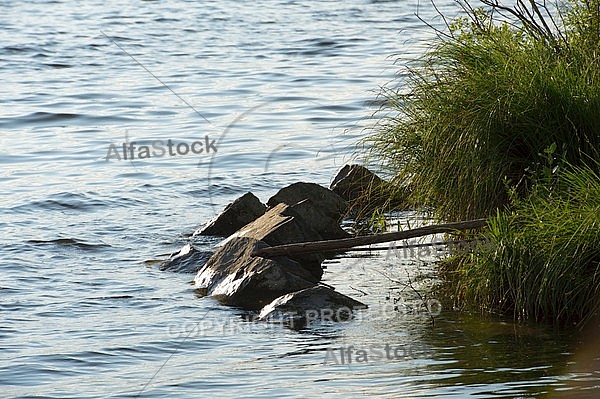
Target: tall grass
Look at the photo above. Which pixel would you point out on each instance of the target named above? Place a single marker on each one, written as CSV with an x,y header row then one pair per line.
x,y
479,108
501,119
545,258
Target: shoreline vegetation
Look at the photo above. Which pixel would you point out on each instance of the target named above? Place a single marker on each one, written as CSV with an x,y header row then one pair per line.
x,y
500,119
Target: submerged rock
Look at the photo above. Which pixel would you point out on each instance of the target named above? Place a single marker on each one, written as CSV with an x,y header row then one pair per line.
x,y
236,278
188,260
240,212
318,303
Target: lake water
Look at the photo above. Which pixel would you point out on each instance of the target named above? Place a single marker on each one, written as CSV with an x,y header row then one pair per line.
x,y
285,89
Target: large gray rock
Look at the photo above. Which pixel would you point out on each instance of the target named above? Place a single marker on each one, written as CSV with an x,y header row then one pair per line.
x,y
312,215
299,213
279,226
188,260
318,303
240,212
236,278
329,203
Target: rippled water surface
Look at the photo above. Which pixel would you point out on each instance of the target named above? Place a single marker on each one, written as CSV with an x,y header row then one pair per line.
x,y
285,90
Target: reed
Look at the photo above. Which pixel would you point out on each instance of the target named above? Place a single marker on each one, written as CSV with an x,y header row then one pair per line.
x,y
471,123
501,119
544,259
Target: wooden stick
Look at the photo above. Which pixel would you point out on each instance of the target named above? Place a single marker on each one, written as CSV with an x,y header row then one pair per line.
x,y
347,243
429,244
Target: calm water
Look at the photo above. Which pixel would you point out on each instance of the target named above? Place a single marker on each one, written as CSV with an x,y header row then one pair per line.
x,y
285,89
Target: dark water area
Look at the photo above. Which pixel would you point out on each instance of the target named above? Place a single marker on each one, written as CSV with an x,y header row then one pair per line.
x,y
285,89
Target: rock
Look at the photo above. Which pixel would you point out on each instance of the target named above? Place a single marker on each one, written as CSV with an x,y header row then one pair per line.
x,y
366,192
327,227
241,280
318,303
236,278
354,181
240,212
188,260
280,225
298,213
329,203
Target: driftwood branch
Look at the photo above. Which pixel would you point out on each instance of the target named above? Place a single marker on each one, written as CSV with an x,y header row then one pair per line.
x,y
345,244
409,246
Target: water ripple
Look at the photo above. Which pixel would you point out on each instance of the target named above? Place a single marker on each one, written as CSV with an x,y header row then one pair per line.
x,y
293,83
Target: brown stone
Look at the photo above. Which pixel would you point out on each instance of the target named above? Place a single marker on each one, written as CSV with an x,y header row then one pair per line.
x,y
240,212
354,181
188,260
328,202
236,278
278,227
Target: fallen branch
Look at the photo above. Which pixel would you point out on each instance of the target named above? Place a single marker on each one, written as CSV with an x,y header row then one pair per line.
x,y
409,246
345,244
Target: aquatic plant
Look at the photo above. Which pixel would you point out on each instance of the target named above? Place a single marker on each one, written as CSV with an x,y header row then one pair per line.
x,y
501,119
492,93
544,259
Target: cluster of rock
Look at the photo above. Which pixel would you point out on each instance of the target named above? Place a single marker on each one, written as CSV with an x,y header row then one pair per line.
x,y
285,288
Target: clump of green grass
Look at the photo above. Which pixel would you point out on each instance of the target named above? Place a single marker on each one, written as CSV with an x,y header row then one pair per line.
x,y
480,107
544,259
501,119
